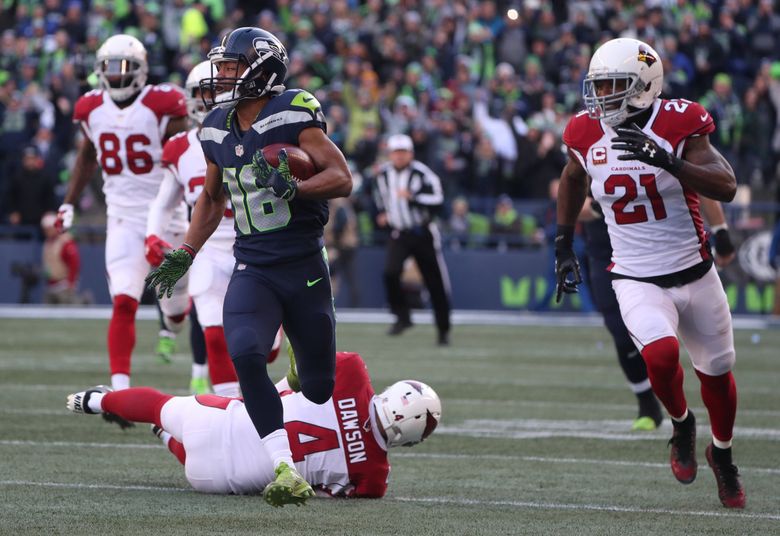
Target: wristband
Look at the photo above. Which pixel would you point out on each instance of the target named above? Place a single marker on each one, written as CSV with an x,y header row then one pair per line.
x,y
564,236
715,228
189,249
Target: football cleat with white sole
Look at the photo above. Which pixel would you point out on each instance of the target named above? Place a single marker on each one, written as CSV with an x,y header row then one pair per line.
x,y
289,487
79,403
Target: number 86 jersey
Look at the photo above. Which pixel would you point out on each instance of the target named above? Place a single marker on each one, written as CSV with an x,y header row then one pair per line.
x,y
129,144
654,221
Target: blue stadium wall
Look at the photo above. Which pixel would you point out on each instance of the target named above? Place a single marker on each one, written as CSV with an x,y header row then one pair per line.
x,y
512,280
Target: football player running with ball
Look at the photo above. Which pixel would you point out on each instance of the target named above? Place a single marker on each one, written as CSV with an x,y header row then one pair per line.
x,y
341,446
649,160
281,273
125,123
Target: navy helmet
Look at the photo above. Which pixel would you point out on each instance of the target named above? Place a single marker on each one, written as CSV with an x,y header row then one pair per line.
x,y
260,68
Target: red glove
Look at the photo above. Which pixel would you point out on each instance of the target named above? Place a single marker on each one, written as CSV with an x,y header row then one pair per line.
x,y
155,249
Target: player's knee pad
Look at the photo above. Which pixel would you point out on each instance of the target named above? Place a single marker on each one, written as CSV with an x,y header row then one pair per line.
x,y
242,341
719,364
125,306
317,390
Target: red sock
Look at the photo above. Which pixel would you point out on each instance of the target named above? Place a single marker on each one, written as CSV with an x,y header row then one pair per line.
x,y
220,365
121,334
177,449
719,394
662,358
137,404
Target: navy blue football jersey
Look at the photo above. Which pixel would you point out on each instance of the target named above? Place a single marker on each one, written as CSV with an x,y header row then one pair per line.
x,y
268,229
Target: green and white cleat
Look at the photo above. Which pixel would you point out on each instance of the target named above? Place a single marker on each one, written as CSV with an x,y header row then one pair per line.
x,y
166,346
199,386
292,372
644,424
288,488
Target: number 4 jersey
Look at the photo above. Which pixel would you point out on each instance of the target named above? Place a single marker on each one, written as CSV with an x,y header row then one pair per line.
x,y
129,144
334,445
654,222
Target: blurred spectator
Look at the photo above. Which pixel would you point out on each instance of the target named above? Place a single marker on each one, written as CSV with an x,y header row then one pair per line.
x,y
379,68
61,265
726,110
466,228
341,241
31,192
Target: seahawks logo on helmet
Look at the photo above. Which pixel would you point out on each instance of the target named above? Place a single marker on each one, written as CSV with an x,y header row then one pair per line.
x,y
645,56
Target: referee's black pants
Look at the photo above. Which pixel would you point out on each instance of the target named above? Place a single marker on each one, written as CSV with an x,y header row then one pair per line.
x,y
426,250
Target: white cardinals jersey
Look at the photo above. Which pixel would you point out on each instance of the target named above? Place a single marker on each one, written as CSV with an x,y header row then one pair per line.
x,y
129,146
334,445
183,155
654,222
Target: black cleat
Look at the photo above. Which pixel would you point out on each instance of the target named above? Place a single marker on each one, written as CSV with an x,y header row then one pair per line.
x,y
730,490
399,327
683,455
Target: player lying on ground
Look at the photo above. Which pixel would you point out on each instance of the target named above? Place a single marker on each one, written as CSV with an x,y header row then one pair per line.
x,y
339,447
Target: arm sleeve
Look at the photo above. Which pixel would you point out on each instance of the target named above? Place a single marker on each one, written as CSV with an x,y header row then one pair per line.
x,y
431,194
169,196
70,256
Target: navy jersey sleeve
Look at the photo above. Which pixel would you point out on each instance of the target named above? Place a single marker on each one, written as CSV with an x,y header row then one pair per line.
x,y
211,134
307,110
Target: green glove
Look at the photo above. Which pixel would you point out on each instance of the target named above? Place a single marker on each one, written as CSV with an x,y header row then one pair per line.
x,y
278,179
172,269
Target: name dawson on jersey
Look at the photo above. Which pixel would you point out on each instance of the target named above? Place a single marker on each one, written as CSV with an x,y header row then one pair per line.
x,y
353,436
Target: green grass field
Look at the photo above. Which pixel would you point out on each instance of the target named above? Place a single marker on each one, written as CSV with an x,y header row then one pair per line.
x,y
535,439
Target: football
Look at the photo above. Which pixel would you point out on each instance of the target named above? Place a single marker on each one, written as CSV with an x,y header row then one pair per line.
x,y
301,165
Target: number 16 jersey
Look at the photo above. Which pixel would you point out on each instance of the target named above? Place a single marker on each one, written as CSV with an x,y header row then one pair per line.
x,y
654,221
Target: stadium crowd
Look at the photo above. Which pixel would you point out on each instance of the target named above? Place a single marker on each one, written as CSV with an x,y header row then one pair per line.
x,y
483,87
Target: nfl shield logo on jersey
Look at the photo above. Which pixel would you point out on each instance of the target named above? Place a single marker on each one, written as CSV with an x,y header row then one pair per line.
x,y
239,150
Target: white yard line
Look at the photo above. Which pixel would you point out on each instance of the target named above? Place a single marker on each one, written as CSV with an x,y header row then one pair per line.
x,y
394,455
440,500
588,507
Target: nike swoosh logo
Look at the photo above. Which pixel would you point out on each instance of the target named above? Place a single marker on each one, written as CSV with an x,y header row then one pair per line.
x,y
704,117
312,283
304,99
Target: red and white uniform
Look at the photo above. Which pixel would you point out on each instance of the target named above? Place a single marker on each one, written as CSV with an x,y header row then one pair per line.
x,y
654,222
128,142
656,229
335,446
185,172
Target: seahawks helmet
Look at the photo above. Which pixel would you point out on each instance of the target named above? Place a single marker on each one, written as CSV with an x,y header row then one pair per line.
x,y
637,66
121,66
196,108
260,68
408,411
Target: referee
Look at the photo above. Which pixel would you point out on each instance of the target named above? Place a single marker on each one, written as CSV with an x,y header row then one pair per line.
x,y
408,194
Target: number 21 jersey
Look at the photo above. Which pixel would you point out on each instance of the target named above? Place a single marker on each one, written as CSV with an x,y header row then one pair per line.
x,y
654,221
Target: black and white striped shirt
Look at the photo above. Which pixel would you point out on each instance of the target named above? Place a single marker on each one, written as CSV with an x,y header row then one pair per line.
x,y
426,195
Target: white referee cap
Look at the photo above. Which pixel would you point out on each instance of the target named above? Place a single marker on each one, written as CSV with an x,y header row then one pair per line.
x,y
399,142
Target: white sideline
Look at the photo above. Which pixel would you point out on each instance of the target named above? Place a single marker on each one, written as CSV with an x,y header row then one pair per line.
x,y
420,455
442,500
371,316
